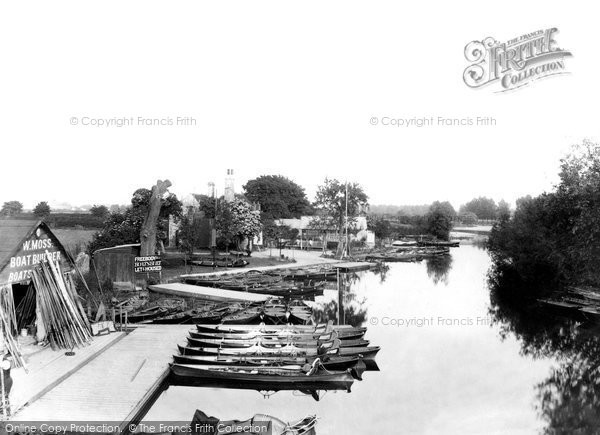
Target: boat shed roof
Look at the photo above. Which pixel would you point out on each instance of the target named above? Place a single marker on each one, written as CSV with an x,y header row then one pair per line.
x,y
13,232
14,237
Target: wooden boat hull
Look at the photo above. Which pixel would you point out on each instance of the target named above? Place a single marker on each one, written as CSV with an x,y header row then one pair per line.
x,y
332,380
300,318
214,319
271,343
356,370
258,352
174,319
333,363
367,354
258,335
343,333
241,318
149,315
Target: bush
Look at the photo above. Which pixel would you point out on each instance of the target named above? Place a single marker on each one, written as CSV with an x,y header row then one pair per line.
x,y
74,220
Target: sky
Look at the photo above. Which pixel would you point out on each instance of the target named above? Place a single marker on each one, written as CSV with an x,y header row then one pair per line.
x,y
282,88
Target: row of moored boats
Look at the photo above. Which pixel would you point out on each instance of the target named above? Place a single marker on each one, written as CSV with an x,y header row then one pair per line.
x,y
298,357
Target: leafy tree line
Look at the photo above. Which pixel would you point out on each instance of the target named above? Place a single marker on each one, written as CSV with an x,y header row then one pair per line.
x,y
484,208
123,227
42,210
11,208
436,221
278,196
555,237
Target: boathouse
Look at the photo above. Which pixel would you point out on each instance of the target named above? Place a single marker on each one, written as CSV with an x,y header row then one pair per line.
x,y
23,244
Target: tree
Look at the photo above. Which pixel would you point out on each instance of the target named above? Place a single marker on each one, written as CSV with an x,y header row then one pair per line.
x,y
524,199
439,219
207,205
503,210
333,199
278,196
125,227
484,208
42,209
11,208
190,233
380,226
279,234
116,208
99,211
148,232
555,237
236,221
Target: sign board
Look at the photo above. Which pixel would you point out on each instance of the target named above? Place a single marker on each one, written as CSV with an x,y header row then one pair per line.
x,y
151,263
31,252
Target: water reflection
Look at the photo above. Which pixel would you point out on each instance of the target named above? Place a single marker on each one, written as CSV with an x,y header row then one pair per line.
x,y
438,268
568,399
348,309
381,271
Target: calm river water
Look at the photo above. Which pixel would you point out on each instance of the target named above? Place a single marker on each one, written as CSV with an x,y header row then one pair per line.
x,y
444,366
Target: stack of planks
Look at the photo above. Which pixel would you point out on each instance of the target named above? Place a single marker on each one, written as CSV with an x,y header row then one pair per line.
x,y
62,315
8,325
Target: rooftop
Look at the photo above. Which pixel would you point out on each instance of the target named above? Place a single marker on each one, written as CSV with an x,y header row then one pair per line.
x,y
12,234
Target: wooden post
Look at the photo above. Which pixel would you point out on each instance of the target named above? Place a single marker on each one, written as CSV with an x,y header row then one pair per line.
x,y
339,296
148,232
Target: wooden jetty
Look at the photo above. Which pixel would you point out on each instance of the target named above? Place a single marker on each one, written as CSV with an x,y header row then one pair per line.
x,y
119,385
209,293
354,266
47,368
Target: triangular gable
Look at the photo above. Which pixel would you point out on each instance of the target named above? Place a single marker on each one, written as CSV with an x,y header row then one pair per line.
x,y
29,250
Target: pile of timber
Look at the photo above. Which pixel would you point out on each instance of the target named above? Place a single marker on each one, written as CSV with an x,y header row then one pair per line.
x,y
8,325
62,316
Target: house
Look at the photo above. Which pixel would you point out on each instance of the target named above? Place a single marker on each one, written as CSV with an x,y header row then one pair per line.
x,y
311,237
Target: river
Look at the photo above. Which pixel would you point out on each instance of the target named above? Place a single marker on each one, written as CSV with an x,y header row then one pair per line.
x,y
445,367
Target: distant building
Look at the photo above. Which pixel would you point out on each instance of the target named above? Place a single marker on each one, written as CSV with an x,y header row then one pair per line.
x,y
309,237
229,193
189,203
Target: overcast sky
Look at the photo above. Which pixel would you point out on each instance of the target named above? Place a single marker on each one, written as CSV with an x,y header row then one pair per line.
x,y
282,88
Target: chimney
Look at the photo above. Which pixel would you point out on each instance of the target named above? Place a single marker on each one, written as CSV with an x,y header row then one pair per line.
x,y
229,186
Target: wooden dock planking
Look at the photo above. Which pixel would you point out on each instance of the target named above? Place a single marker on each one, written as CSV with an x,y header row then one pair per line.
x,y
118,385
209,293
48,368
354,266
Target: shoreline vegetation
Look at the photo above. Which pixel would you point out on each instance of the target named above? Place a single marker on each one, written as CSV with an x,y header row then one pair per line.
x,y
552,240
